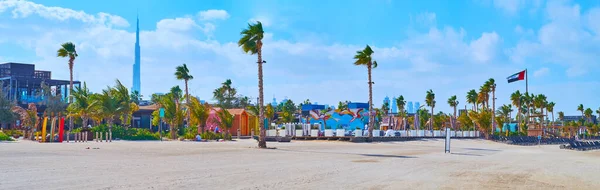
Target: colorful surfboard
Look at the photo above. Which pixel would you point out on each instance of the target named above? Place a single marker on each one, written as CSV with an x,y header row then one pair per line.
x,y
52,128
61,129
44,129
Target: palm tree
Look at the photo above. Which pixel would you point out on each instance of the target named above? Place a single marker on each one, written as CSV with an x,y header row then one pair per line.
x,y
482,118
581,109
68,50
516,98
598,111
430,101
136,97
127,106
528,100
183,73
107,106
561,117
504,111
588,114
83,106
401,106
225,120
540,102
251,42
199,113
491,83
453,103
472,99
550,108
364,58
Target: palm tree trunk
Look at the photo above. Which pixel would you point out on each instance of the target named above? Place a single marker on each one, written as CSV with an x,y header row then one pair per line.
x,y
71,90
172,130
187,101
431,119
493,110
371,116
262,143
453,121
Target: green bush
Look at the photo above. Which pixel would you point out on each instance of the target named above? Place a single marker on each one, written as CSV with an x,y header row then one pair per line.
x,y
76,130
190,132
142,134
119,132
4,137
214,136
13,133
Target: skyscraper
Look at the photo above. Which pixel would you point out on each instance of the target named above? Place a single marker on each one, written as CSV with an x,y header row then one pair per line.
x,y
409,106
417,105
387,100
394,106
136,66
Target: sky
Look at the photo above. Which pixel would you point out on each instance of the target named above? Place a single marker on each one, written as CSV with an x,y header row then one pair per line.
x,y
447,46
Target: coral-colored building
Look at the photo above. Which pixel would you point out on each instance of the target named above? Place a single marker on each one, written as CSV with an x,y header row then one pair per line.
x,y
241,120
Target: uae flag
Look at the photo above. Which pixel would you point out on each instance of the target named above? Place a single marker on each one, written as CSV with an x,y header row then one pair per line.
x,y
516,77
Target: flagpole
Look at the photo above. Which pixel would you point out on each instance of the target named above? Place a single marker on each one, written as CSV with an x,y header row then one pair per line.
x,y
526,82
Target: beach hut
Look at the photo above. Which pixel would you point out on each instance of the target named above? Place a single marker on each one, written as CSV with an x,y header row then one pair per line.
x,y
241,120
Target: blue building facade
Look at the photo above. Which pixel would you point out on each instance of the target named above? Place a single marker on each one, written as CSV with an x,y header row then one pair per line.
x,y
409,107
394,105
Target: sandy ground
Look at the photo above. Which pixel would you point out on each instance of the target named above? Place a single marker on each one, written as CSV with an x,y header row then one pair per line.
x,y
473,164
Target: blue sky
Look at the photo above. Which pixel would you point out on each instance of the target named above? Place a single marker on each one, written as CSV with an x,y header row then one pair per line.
x,y
448,46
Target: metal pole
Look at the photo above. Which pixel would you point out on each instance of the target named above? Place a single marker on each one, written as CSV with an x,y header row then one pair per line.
x,y
160,129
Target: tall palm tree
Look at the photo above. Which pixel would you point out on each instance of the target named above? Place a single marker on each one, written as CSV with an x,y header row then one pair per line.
x,y
401,106
472,98
492,86
251,42
550,108
581,109
528,100
540,102
516,98
183,73
561,117
364,58
588,115
484,94
453,103
68,50
430,101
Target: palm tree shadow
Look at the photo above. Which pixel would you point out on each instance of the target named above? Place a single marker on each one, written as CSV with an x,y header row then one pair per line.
x,y
347,153
386,156
466,154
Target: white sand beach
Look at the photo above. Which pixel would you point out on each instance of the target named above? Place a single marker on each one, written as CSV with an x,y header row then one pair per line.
x,y
473,164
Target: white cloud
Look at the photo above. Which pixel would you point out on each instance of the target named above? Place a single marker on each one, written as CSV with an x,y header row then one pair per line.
x,y
426,19
213,15
522,31
541,72
266,21
564,40
21,9
484,48
509,6
177,24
